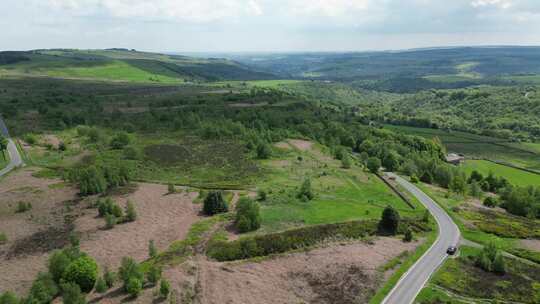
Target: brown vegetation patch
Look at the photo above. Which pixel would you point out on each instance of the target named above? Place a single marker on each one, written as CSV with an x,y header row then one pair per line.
x,y
282,145
337,274
530,244
302,145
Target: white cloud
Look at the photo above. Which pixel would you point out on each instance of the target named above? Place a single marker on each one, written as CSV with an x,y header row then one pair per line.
x,y
179,10
504,4
327,8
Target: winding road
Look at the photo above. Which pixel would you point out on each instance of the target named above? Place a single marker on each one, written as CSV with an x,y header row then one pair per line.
x,y
412,282
14,156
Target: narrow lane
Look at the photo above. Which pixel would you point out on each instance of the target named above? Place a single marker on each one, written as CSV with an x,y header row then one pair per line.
x,y
412,282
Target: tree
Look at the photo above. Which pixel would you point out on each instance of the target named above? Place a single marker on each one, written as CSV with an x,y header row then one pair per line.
x,y
130,269
152,250
120,140
43,289
164,288
109,277
346,161
263,151
58,263
131,213
9,298
248,216
3,145
91,181
373,164
153,275
83,272
391,161
408,237
101,286
499,265
389,222
490,202
134,287
71,294
214,203
475,176
305,193
414,179
474,189
443,176
426,177
458,184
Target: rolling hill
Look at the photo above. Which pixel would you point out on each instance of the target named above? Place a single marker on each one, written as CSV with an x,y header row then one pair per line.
x,y
123,65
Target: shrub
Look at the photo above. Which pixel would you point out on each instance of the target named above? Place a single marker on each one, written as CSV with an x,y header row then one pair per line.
x,y
120,140
490,259
130,269
83,272
71,294
91,181
261,195
110,221
152,250
499,265
31,139
43,289
23,207
9,298
490,202
153,275
408,237
346,161
214,203
105,206
306,193
3,238
117,211
131,213
170,188
109,277
389,220
263,151
426,177
62,146
57,264
248,216
164,288
101,286
373,164
414,179
475,190
134,287
132,153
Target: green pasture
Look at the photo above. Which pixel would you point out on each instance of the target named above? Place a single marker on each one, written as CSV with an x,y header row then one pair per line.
x,y
514,176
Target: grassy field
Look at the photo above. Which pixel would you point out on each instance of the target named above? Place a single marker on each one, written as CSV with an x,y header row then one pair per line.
x,y
459,281
514,176
477,146
340,194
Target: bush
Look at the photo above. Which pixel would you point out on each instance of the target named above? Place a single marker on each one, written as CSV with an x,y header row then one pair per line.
x,y
101,286
91,181
57,264
306,193
408,237
105,206
9,298
490,259
3,238
132,153
373,164
263,151
389,222
164,288
346,162
490,202
153,275
426,177
23,207
248,216
117,211
499,265
62,146
43,289
414,179
261,195
109,277
120,140
83,272
170,188
214,203
134,287
152,250
110,221
131,213
71,294
130,269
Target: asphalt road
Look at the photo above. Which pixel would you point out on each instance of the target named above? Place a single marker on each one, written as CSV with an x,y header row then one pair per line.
x,y
410,284
15,158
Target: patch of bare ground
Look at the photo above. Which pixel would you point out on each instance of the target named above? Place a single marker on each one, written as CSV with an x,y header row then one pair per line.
x,y
335,274
162,217
52,140
302,145
282,145
530,244
32,235
247,105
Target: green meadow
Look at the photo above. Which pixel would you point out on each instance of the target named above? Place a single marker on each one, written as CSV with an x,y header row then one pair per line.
x,y
514,176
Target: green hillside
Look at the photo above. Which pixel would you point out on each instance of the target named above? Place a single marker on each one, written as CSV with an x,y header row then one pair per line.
x,y
123,65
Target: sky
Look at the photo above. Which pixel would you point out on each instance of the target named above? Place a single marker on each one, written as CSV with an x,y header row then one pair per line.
x,y
266,25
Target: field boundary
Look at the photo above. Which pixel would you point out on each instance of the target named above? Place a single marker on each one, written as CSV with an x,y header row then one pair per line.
x,y
511,166
396,191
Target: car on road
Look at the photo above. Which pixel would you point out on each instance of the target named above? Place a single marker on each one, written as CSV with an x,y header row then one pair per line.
x,y
451,250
